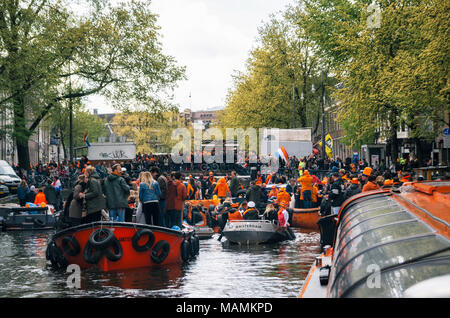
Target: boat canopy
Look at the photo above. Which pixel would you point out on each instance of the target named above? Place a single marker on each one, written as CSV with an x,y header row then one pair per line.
x,y
386,242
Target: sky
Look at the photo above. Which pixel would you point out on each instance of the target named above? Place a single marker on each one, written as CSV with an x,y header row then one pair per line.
x,y
213,39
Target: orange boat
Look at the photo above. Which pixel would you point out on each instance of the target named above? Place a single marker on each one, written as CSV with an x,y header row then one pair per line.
x,y
385,244
306,218
112,246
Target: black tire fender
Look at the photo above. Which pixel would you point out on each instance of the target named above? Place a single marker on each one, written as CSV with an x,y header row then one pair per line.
x,y
195,245
91,255
137,236
99,241
114,252
160,252
70,246
185,250
39,222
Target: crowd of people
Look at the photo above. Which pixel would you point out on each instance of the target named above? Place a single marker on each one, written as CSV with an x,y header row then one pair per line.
x,y
113,190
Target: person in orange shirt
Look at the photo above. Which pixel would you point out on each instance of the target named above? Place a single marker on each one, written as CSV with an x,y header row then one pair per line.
x,y
40,198
235,216
371,185
283,196
306,193
273,192
222,188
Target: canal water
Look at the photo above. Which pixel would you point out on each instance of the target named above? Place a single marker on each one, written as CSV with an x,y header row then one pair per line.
x,y
220,271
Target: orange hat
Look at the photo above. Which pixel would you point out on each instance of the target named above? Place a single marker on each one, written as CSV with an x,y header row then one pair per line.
x,y
367,171
355,181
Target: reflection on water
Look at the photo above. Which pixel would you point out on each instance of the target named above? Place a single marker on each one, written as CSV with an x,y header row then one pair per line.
x,y
220,271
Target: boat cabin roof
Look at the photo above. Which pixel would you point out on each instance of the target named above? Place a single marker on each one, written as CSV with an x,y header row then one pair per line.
x,y
388,241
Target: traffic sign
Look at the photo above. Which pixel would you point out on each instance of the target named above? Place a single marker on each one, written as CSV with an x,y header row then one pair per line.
x,y
447,131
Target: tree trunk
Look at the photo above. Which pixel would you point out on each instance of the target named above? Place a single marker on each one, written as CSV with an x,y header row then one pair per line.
x,y
21,133
393,133
301,109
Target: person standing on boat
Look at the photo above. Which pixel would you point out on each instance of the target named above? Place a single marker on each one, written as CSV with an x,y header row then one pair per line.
x,y
234,184
222,189
176,195
306,193
163,184
22,192
336,195
149,195
117,192
76,204
95,200
353,189
283,216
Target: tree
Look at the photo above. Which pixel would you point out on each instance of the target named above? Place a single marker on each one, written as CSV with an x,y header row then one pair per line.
x,y
152,133
283,66
111,50
391,74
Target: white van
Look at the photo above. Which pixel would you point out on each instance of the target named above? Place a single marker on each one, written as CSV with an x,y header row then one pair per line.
x,y
8,177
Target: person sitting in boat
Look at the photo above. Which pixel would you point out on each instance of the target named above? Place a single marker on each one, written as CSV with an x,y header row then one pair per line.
x,y
270,213
235,215
273,192
251,213
40,198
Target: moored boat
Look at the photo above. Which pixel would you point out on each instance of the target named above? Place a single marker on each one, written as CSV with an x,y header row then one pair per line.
x,y
306,218
112,246
256,232
16,218
387,244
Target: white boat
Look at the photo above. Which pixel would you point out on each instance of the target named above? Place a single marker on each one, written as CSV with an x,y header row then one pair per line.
x,y
256,232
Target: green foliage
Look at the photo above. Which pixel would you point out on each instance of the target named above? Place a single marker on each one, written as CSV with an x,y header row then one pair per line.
x,y
262,96
50,52
152,132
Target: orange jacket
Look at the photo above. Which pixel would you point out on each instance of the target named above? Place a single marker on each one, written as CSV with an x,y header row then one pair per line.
x,y
283,196
236,216
222,188
306,182
273,193
370,186
40,198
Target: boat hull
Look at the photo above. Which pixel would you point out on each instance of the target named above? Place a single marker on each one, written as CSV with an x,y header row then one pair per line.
x,y
253,232
124,233
306,219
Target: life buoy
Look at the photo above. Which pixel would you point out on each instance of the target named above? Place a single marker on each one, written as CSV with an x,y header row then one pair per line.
x,y
91,255
185,250
39,222
114,252
101,238
160,252
137,236
70,245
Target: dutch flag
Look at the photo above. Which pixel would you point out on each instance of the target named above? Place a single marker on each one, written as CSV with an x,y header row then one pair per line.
x,y
282,153
86,139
